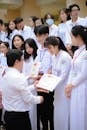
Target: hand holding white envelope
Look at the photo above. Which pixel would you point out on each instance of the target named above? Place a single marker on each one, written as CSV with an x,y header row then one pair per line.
x,y
48,82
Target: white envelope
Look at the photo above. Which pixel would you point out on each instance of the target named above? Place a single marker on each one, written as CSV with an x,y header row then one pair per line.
x,y
48,82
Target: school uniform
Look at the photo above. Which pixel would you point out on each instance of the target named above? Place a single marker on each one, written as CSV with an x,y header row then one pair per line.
x,y
53,30
45,110
3,60
62,31
26,32
16,98
14,32
3,36
78,78
33,108
60,67
69,26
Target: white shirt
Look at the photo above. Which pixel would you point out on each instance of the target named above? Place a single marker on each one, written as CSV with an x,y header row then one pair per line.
x,y
45,59
3,36
3,60
61,31
53,30
26,32
69,26
16,94
27,66
85,20
78,73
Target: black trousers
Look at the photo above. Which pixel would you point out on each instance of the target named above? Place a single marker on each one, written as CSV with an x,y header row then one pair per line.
x,y
1,123
17,120
45,112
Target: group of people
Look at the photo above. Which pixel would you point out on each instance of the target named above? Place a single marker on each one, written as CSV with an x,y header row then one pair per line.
x,y
60,50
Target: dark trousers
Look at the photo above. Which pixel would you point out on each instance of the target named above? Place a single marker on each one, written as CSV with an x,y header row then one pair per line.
x,y
1,123
45,112
17,121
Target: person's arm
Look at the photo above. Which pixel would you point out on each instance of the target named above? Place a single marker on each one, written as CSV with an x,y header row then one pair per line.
x,y
25,91
65,68
82,76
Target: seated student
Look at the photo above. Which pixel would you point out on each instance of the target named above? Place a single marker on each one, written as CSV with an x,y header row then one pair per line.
x,y
16,94
45,110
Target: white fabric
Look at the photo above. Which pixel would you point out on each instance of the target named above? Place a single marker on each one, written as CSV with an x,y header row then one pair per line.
x,y
26,32
45,59
3,36
61,32
33,109
78,78
60,66
3,60
16,93
53,30
69,26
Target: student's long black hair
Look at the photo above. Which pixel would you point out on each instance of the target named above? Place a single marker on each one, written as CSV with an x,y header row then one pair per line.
x,y
31,43
55,41
80,31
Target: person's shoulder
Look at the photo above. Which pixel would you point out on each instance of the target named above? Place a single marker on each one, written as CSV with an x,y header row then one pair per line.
x,y
66,55
68,22
84,55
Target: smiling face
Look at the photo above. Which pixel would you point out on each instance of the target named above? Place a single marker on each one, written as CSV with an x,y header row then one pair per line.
x,y
63,16
11,25
17,42
74,12
31,23
3,48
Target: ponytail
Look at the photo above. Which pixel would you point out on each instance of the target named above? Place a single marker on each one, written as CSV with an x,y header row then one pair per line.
x,y
80,31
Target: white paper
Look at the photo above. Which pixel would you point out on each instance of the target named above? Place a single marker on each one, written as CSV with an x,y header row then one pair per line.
x,y
48,82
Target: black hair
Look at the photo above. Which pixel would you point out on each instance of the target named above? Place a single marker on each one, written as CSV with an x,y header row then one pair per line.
x,y
1,21
55,41
31,43
46,16
13,55
18,20
17,35
40,19
73,5
34,18
80,31
36,29
5,43
9,30
67,12
42,29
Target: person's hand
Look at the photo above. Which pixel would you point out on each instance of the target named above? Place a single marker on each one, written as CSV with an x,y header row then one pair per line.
x,y
42,99
68,90
39,89
42,90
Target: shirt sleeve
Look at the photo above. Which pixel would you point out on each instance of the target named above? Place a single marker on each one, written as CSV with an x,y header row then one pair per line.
x,y
82,75
25,90
65,67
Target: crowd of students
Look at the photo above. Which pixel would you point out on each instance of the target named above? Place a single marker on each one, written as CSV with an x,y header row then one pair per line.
x,y
61,50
